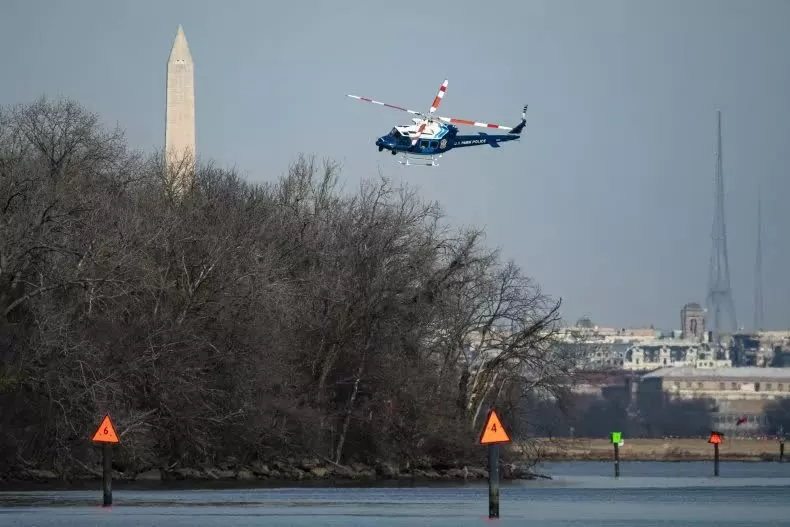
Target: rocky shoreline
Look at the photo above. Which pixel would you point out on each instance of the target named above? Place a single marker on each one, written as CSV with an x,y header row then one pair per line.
x,y
278,471
668,456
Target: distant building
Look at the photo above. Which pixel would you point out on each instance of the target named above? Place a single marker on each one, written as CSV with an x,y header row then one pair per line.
x,y
746,350
692,321
738,392
671,352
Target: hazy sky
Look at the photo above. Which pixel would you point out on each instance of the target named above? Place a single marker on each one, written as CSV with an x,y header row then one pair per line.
x,y
608,199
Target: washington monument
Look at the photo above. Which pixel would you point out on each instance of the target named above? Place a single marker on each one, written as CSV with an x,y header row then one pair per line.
x,y
180,119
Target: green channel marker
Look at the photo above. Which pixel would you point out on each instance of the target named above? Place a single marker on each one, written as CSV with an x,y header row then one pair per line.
x,y
617,438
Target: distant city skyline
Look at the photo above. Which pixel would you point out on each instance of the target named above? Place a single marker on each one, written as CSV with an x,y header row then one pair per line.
x,y
607,202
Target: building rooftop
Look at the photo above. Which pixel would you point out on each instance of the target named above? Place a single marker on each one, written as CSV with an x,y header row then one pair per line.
x,y
749,372
669,342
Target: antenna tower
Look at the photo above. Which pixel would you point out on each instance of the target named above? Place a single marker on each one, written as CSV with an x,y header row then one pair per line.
x,y
720,303
758,270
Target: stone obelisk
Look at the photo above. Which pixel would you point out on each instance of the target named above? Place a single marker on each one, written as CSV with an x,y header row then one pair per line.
x,y
180,111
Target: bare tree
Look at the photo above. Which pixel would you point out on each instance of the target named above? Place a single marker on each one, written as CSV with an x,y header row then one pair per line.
x,y
222,319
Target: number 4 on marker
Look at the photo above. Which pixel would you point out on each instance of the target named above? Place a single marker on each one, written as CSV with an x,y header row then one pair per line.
x,y
494,432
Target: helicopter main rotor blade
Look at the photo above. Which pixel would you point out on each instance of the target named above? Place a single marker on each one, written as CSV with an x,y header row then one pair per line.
x,y
365,99
419,133
436,101
473,123
439,96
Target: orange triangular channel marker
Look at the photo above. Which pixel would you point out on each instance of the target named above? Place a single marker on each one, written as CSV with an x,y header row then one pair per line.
x,y
494,432
715,438
106,432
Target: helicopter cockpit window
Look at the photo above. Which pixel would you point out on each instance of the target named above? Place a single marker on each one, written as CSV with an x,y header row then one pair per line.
x,y
395,133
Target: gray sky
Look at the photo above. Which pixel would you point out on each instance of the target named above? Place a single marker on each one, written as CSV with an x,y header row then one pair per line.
x,y
608,199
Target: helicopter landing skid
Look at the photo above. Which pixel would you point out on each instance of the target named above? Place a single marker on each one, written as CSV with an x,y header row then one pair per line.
x,y
411,161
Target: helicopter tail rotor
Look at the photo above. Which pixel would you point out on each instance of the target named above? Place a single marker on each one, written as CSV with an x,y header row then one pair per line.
x,y
520,126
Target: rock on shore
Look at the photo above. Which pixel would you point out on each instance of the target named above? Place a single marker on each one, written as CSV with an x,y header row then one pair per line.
x,y
282,470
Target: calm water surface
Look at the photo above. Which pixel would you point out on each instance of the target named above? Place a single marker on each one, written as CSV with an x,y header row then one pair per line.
x,y
647,494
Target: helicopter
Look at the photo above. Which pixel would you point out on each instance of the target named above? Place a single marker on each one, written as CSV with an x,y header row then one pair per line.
x,y
431,135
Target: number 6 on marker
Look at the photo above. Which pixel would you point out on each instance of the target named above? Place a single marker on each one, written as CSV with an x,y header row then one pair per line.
x,y
106,432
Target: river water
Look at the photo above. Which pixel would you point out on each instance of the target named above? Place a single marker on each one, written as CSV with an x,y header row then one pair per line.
x,y
648,494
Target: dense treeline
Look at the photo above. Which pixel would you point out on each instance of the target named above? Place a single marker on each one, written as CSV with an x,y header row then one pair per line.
x,y
777,414
232,319
641,415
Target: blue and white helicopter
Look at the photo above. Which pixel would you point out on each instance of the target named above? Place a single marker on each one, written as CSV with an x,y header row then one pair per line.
x,y
428,137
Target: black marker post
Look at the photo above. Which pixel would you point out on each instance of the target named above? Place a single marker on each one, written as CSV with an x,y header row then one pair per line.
x,y
493,434
493,481
715,440
106,450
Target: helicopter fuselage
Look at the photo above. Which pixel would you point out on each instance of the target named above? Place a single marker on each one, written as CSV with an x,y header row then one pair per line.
x,y
436,139
431,135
